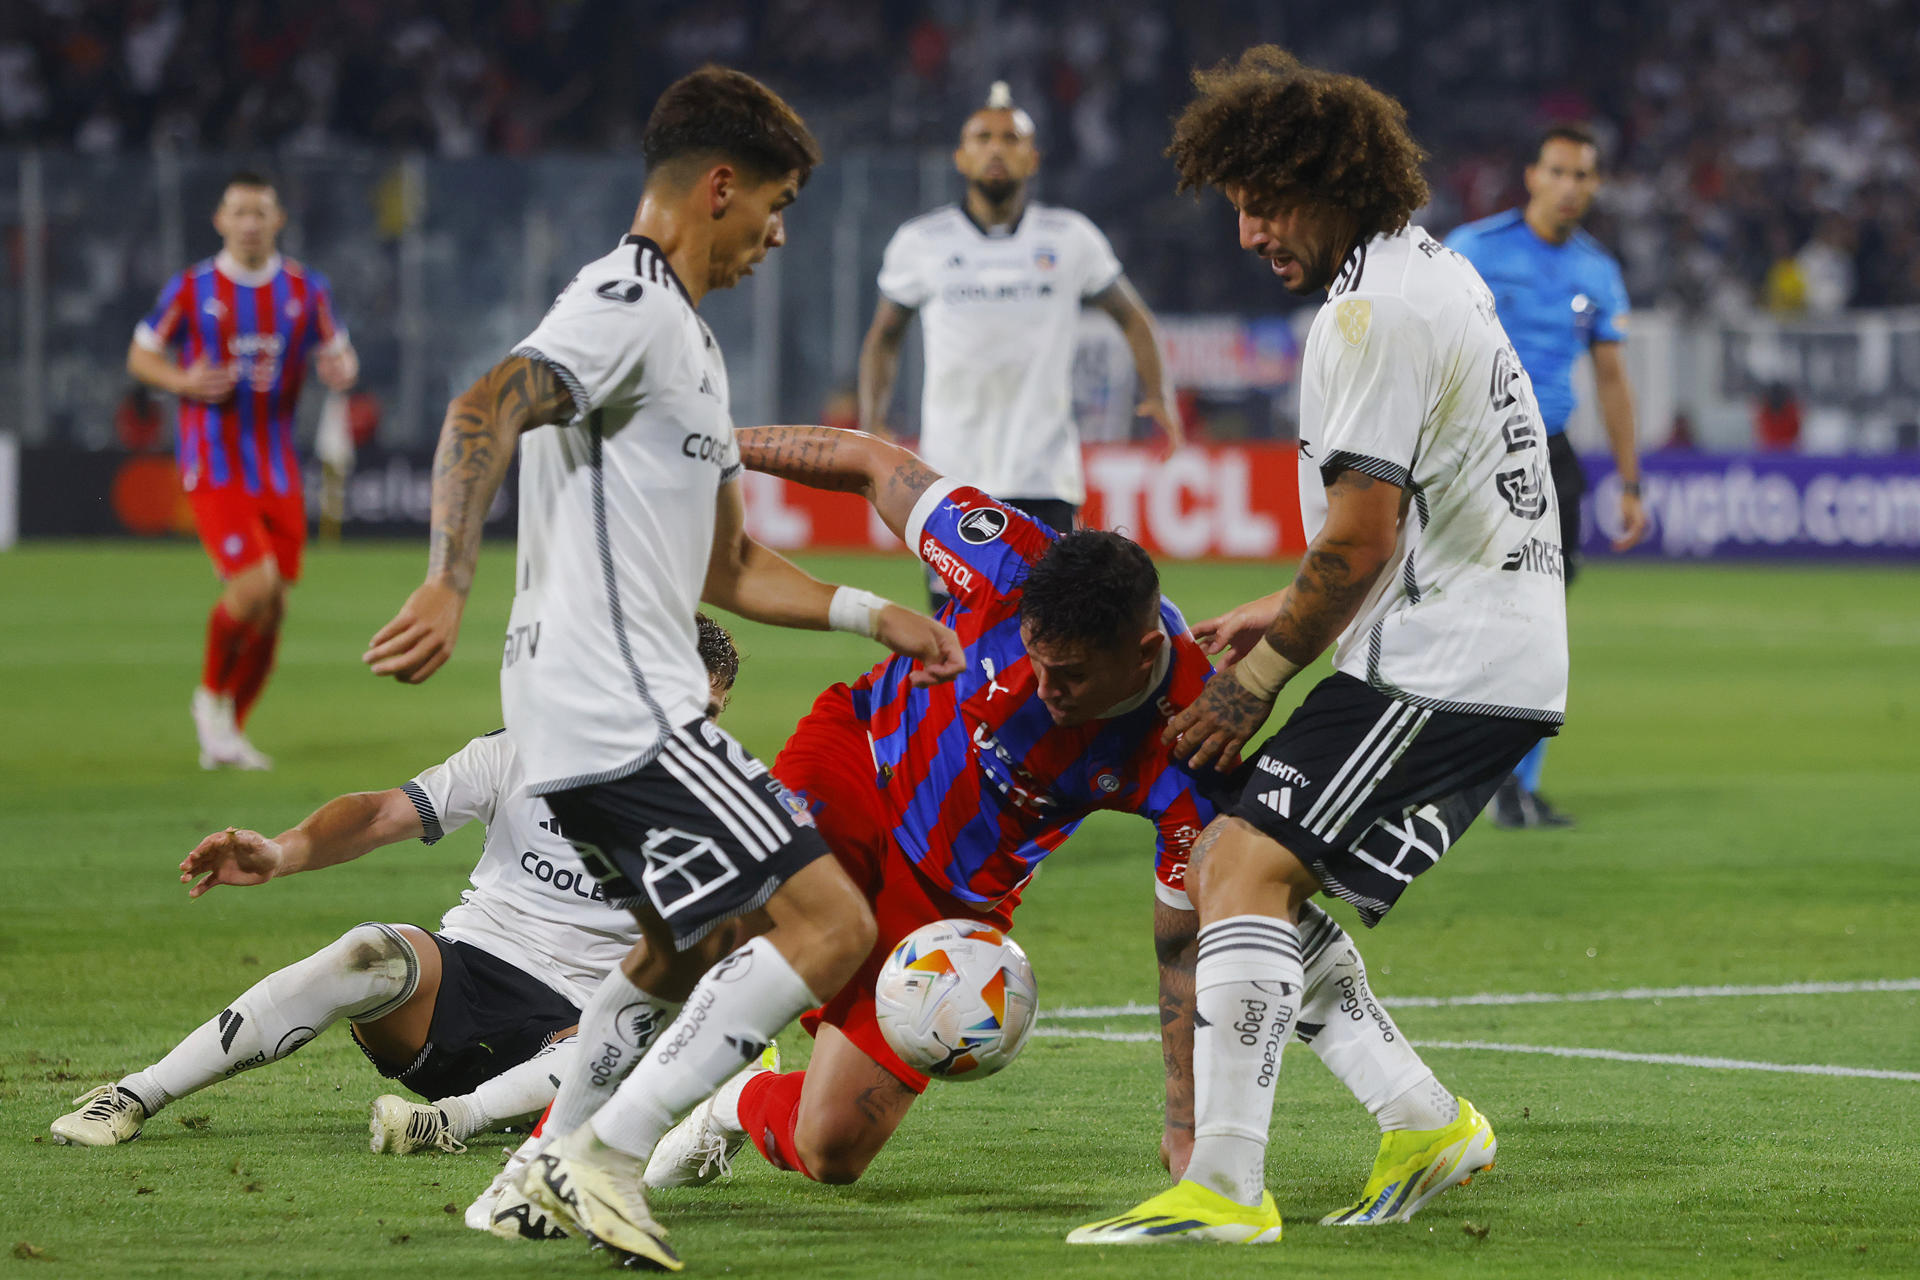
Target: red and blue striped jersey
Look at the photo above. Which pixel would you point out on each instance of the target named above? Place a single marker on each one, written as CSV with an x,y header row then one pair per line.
x,y
267,323
980,782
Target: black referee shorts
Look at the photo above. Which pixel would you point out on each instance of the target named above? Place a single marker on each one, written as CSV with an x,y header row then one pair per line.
x,y
1369,792
702,834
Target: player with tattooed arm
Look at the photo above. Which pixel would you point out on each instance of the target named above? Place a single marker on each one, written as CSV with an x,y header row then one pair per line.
x,y
1432,569
630,516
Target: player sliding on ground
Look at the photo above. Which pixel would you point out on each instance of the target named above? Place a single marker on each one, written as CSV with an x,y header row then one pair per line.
x,y
1433,563
472,1017
1074,662
630,515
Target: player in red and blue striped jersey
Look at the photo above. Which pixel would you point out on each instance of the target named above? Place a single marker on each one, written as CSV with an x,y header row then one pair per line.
x,y
231,337
942,803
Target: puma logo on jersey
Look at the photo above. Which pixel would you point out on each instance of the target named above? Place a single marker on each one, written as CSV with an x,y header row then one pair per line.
x,y
993,680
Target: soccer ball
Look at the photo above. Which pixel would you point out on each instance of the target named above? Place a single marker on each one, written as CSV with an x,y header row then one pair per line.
x,y
956,999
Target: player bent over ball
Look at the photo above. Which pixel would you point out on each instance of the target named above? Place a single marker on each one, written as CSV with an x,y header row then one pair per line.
x,y
473,1017
1074,662
1432,570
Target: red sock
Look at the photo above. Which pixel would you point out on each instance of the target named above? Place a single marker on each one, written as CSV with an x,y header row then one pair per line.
x,y
251,669
226,636
769,1109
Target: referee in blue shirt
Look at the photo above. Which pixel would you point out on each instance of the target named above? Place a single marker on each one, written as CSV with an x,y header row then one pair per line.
x,y
1559,293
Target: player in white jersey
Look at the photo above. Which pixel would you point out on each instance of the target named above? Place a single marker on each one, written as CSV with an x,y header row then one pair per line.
x,y
998,281
1434,568
470,1016
630,515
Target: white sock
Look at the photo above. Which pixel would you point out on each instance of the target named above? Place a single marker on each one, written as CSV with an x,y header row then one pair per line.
x,y
1357,1039
521,1090
1246,991
616,1029
728,1021
366,973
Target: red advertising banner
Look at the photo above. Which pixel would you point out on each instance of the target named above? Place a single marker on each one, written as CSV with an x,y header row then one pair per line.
x,y
1206,502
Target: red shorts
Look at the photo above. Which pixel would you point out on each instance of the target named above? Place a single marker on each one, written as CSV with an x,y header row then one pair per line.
x,y
240,529
829,762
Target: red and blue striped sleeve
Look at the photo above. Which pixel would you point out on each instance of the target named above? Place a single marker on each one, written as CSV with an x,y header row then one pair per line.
x,y
165,325
981,548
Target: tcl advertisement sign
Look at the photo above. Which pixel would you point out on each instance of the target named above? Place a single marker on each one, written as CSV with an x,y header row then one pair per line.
x,y
1235,502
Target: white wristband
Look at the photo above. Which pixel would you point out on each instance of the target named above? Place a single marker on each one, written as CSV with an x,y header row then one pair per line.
x,y
857,611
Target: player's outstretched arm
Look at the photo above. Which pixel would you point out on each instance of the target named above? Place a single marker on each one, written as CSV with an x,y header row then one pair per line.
x,y
1339,569
1176,943
890,477
759,583
477,440
880,364
1123,302
1615,395
338,831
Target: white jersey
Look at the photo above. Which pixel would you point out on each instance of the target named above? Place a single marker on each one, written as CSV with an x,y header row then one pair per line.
x,y
616,524
532,903
1000,312
1410,378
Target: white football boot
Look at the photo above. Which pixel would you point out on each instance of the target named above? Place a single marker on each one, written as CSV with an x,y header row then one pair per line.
x,y
504,1210
213,724
598,1188
701,1147
398,1127
106,1116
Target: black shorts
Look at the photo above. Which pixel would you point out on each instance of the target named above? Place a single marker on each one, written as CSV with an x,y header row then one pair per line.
x,y
1368,792
488,1016
702,834
1569,486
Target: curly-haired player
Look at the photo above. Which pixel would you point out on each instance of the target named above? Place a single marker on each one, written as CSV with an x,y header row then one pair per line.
x,y
1434,568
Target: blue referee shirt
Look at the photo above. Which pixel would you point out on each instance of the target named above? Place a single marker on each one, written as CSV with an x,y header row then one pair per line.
x,y
1554,300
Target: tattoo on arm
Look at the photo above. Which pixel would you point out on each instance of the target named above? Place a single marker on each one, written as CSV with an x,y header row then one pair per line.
x,y
847,461
476,444
1334,577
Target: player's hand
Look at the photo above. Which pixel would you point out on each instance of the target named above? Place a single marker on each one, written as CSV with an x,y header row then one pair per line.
x,y
1167,418
233,856
421,636
1238,630
919,637
207,382
1633,522
1214,727
338,369
1176,1149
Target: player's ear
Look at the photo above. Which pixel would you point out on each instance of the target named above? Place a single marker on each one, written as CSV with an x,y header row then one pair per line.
x,y
722,182
1150,646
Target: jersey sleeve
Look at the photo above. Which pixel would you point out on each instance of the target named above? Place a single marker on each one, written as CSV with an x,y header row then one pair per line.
x,y
327,333
1180,812
1373,369
902,281
1610,325
981,548
165,326
463,788
595,337
1099,267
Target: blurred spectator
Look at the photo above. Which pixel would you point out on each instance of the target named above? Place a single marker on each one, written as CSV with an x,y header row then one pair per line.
x,y
1776,419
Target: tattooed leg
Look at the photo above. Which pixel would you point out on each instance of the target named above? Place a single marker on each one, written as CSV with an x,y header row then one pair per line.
x,y
849,1107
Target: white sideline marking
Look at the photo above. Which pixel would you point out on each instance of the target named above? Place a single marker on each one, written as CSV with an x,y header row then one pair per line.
x,y
1561,997
1558,1051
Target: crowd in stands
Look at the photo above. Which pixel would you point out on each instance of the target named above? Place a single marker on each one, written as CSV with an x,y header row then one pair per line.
x,y
1765,161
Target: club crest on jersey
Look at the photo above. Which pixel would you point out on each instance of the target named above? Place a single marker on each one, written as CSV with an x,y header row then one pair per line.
x,y
1353,317
983,526
1107,782
1045,259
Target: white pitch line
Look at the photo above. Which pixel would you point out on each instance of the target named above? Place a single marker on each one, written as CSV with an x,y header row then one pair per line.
x,y
1558,1051
1562,997
1676,1060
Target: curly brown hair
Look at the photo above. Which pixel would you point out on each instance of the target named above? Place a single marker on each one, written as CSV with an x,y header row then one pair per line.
x,y
719,111
1278,132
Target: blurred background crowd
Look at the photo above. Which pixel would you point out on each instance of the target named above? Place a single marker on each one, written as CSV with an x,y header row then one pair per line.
x,y
1760,160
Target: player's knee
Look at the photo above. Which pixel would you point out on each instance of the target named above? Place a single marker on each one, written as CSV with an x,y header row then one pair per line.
x,y
836,1159
378,961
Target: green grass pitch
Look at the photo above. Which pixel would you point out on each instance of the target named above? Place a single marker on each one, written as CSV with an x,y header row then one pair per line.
x,y
1742,757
